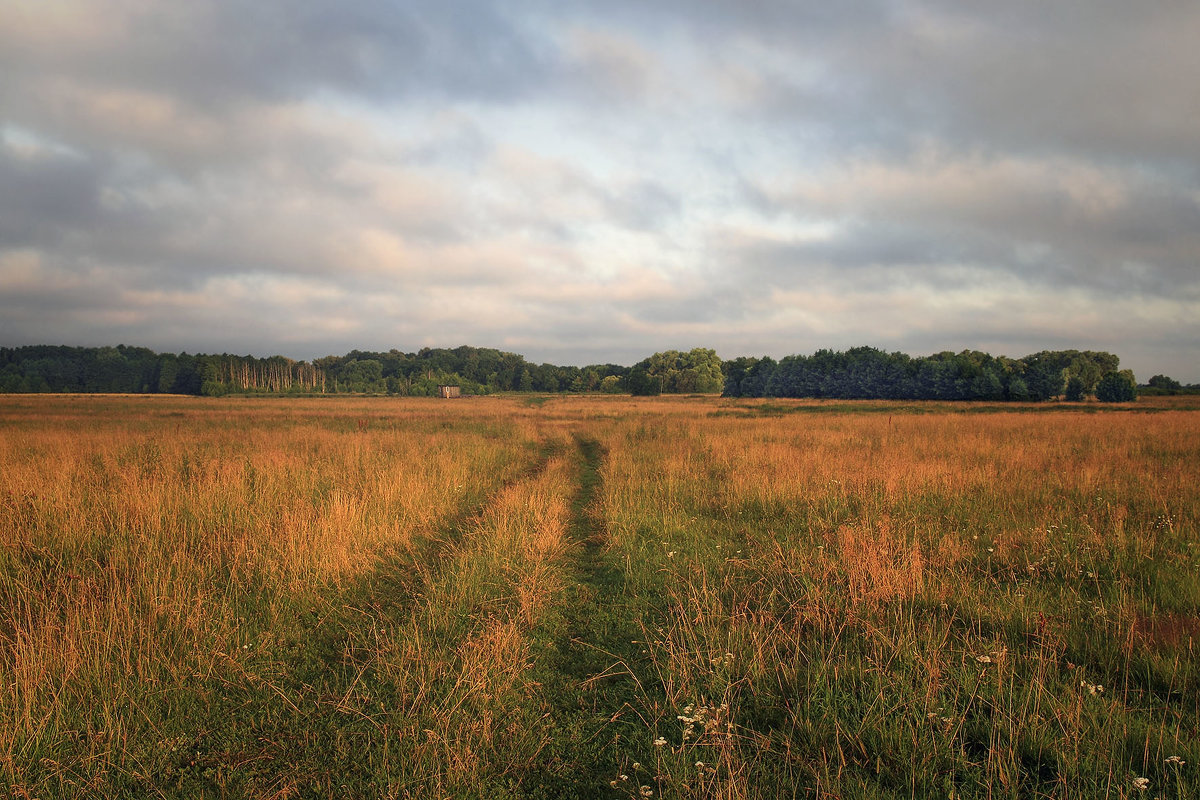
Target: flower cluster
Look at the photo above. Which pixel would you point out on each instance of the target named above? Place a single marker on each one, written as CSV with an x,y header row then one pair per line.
x,y
643,790
936,715
986,658
707,719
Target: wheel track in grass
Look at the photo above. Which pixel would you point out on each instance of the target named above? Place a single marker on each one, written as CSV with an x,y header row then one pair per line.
x,y
401,574
293,720
316,717
595,677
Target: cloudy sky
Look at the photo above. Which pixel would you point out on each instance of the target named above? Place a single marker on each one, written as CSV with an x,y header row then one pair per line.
x,y
586,182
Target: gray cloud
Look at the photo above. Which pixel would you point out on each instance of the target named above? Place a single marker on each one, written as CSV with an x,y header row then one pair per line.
x,y
44,197
592,183
229,51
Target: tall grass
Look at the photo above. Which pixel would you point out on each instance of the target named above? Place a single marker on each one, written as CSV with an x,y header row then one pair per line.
x,y
596,597
898,604
146,543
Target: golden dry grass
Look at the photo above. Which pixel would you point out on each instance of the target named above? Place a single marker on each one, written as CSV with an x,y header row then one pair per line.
x,y
138,536
884,579
865,599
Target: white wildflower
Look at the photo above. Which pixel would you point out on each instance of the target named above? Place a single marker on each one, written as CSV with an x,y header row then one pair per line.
x,y
1141,784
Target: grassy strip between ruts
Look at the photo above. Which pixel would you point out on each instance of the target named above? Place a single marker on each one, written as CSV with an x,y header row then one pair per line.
x,y
404,684
452,685
595,680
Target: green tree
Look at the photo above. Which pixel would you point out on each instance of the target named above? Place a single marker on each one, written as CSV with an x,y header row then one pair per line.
x,y
1165,385
363,376
1044,377
698,370
1117,387
168,373
1017,390
642,384
211,384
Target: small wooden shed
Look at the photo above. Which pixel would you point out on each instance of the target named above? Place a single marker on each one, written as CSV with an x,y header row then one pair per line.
x,y
449,391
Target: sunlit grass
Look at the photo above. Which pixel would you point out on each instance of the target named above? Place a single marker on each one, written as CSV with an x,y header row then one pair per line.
x,y
596,596
918,604
145,544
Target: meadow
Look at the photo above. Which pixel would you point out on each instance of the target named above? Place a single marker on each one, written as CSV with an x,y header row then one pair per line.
x,y
597,596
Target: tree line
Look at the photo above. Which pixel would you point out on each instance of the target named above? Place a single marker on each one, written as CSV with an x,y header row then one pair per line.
x,y
1162,385
869,373
138,370
857,373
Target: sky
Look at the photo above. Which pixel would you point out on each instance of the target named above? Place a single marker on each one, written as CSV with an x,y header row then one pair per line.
x,y
591,182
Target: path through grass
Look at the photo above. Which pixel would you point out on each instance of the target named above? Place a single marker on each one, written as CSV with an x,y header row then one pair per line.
x,y
594,678
499,656
377,691
595,598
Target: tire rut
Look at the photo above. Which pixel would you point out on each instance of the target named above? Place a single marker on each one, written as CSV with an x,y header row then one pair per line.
x,y
269,727
592,677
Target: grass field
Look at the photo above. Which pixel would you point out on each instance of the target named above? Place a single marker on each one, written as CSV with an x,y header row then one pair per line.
x,y
597,597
